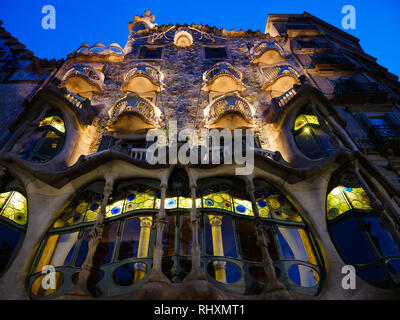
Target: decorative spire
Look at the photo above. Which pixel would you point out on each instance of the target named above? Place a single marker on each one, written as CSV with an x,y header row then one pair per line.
x,y
147,19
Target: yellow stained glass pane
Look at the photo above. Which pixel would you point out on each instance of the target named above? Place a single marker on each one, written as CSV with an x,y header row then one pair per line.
x,y
93,211
53,121
16,208
114,209
139,200
185,203
198,203
305,119
72,215
243,207
3,198
278,207
219,200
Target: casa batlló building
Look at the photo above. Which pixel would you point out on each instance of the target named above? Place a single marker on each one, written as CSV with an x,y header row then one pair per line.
x,y
80,198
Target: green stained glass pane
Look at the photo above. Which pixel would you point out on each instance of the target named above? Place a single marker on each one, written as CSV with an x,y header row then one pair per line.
x,y
243,207
16,208
336,203
219,200
53,121
139,199
3,199
358,198
114,209
305,119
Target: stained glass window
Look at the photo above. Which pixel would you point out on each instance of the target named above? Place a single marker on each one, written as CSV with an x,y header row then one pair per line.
x,y
310,138
13,222
47,140
358,233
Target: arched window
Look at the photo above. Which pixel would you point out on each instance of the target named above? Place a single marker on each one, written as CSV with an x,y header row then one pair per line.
x,y
13,222
310,138
122,260
230,253
358,233
47,140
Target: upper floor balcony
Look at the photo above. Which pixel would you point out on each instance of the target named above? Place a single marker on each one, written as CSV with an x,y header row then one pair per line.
x,y
330,62
229,111
99,53
133,113
267,53
352,91
142,78
223,78
83,80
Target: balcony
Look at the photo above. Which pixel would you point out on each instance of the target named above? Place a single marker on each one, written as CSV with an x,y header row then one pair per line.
x,y
83,80
386,138
223,78
99,53
133,113
275,73
228,104
142,78
302,30
267,53
351,91
329,63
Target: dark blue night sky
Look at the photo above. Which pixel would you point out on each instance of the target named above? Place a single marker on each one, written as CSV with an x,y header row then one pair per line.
x,y
106,21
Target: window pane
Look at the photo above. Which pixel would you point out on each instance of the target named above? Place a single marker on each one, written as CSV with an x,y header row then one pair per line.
x,y
248,241
51,144
308,144
105,248
351,242
168,239
381,237
220,239
58,250
130,239
9,239
295,245
185,236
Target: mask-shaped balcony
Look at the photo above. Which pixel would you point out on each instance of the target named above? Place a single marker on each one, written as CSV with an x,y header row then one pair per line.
x,y
230,112
280,79
83,81
133,114
99,53
142,78
222,78
267,53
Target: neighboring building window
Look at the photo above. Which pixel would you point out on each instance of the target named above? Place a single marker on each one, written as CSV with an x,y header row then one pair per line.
x,y
383,130
358,233
124,253
150,53
310,138
215,53
13,222
47,140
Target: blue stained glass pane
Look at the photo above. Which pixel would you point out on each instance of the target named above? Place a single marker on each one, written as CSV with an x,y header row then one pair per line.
x,y
132,197
115,210
262,204
241,209
158,194
94,207
209,202
394,267
348,189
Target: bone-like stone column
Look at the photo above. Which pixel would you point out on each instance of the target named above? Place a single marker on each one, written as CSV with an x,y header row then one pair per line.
x,y
274,288
156,274
95,238
196,273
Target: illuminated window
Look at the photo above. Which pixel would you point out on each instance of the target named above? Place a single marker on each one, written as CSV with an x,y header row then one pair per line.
x,y
46,141
231,255
310,138
358,233
13,223
124,253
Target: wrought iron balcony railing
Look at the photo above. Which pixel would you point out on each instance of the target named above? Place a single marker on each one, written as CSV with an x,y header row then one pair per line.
x,y
385,137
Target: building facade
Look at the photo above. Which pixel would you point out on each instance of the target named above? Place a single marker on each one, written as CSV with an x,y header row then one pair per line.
x,y
86,214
